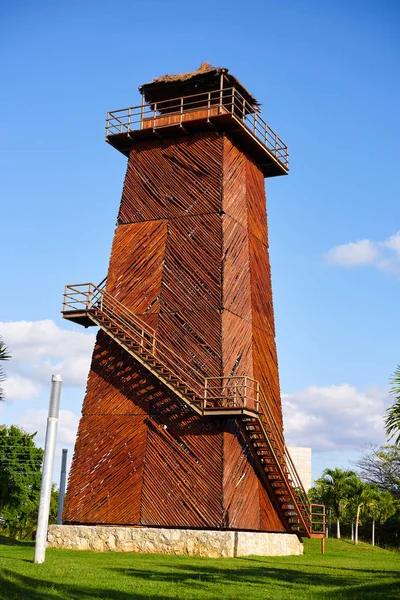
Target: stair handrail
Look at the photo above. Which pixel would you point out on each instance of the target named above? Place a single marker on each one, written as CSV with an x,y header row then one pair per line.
x,y
95,300
298,485
303,515
94,295
267,420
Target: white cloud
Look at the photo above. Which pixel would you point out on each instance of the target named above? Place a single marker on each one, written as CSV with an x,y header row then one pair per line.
x,y
353,254
393,242
33,340
35,421
39,349
20,388
383,255
334,417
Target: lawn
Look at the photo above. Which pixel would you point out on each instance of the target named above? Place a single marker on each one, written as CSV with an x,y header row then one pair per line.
x,y
345,572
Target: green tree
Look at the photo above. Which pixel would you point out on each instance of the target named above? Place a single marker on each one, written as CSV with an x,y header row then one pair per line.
x,y
379,506
4,355
392,421
380,465
20,521
335,486
20,478
359,495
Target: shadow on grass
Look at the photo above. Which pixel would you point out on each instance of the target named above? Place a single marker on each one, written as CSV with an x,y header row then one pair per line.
x,y
209,580
18,587
317,584
6,541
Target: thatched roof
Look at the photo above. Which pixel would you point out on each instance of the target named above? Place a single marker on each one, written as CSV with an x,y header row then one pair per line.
x,y
184,84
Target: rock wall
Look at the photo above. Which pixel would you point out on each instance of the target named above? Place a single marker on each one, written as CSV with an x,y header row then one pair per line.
x,y
189,542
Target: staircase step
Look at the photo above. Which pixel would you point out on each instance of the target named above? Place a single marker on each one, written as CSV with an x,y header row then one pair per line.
x,y
261,432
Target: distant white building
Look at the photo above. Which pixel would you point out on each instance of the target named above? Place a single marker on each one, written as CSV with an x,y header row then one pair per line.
x,y
302,461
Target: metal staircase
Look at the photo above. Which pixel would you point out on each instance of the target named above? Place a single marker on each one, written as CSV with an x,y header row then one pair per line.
x,y
240,397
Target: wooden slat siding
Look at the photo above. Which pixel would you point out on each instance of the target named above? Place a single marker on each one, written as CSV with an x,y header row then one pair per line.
x,y
236,290
190,320
117,384
237,345
196,337
261,287
241,502
266,370
265,360
196,176
269,519
172,178
192,269
135,272
146,190
167,120
182,484
257,214
234,199
106,476
246,502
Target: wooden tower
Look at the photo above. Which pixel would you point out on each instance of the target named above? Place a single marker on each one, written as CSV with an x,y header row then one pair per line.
x,y
181,423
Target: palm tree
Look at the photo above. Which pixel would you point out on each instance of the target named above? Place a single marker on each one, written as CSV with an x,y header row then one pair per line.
x,y
4,355
361,495
392,421
379,506
337,484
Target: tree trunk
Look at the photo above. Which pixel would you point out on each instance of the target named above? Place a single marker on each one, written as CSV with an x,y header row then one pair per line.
x,y
352,530
373,532
338,529
357,518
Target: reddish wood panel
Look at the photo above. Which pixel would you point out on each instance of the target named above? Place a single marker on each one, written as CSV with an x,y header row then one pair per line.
x,y
173,178
234,202
269,519
184,455
256,202
106,476
117,384
196,337
192,268
266,371
236,283
135,271
176,119
237,345
241,502
261,289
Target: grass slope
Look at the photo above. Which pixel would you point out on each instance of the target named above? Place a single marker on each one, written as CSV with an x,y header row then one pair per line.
x,y
345,572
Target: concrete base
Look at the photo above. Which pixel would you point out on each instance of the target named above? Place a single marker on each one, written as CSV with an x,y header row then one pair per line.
x,y
189,542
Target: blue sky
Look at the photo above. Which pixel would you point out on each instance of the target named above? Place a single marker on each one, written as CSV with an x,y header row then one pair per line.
x,y
327,76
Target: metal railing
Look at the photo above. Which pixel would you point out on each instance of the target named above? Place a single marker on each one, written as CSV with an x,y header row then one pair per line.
x,y
86,297
232,392
210,393
89,297
207,105
318,518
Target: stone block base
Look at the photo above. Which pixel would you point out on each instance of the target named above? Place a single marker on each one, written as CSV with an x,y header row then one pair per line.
x,y
189,542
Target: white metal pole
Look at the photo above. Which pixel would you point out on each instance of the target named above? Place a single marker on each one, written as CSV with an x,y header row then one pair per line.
x,y
63,478
47,472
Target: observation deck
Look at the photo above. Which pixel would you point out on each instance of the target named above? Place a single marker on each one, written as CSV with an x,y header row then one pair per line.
x,y
225,110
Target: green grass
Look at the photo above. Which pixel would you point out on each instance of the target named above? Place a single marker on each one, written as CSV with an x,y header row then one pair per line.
x,y
345,572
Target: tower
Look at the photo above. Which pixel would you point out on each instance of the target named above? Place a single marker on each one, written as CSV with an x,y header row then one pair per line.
x,y
181,423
